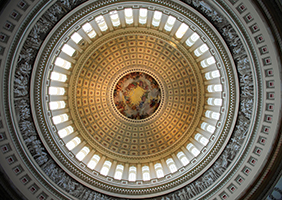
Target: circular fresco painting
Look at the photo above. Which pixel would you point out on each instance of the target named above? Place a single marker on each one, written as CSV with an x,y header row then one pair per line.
x,y
137,95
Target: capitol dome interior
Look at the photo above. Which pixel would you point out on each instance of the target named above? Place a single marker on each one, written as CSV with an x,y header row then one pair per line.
x,y
144,99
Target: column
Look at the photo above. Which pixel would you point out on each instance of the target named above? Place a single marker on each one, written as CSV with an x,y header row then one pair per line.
x,y
176,161
76,149
125,172
100,164
89,156
187,153
152,171
139,172
165,167
113,169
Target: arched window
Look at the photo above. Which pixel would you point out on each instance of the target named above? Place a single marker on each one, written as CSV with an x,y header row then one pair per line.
x,y
171,165
181,30
100,20
207,62
128,15
82,153
73,143
157,18
159,170
203,140
88,29
106,168
76,37
215,88
62,63
60,118
132,173
58,77
212,115
93,162
114,18
146,173
207,127
200,50
56,91
212,75
143,15
190,147
169,23
214,102
184,160
192,39
119,171
68,50
55,105
65,131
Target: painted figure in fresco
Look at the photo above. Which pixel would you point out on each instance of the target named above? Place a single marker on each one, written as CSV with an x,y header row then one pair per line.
x,y
137,95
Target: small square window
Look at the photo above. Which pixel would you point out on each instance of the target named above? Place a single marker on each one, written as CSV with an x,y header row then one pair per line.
x,y
254,28
257,151
266,61
23,5
25,179
15,15
241,8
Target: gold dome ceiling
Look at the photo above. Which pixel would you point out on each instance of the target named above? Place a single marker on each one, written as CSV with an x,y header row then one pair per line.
x,y
174,119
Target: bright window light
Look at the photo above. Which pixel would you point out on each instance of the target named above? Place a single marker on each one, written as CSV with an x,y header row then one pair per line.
x,y
159,170
184,160
87,28
73,143
68,50
56,91
200,50
115,18
157,18
181,30
101,23
203,140
119,171
214,102
190,147
215,88
65,131
132,174
146,173
169,23
128,15
76,37
62,63
212,115
212,75
171,165
54,105
106,168
60,118
58,77
82,153
207,127
143,15
93,162
207,62
192,39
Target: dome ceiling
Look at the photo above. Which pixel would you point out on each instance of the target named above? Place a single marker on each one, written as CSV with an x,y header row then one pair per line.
x,y
143,99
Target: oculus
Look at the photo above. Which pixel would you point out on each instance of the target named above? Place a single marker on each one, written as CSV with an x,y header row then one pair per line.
x,y
137,95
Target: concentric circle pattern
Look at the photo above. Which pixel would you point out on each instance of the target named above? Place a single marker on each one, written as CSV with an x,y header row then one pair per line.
x,y
165,68
138,99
